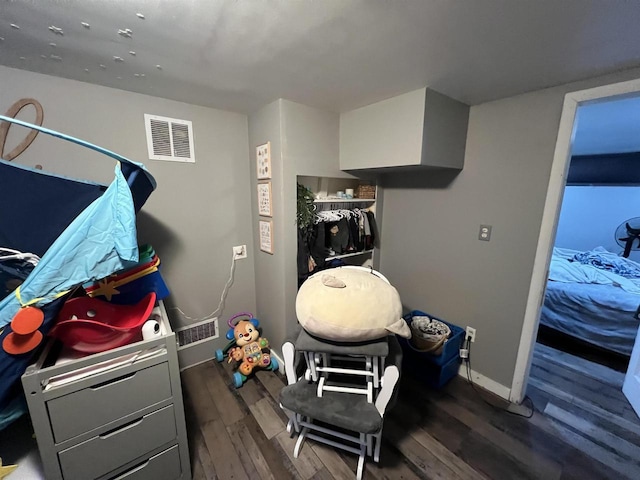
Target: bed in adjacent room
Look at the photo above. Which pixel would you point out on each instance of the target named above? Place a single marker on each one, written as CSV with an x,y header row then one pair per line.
x,y
593,296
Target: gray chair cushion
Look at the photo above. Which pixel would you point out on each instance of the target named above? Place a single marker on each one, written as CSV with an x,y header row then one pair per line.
x,y
375,348
344,410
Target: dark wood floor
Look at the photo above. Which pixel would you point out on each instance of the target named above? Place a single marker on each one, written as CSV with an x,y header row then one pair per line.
x,y
445,434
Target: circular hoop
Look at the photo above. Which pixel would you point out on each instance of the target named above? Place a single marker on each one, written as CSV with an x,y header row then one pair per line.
x,y
31,136
238,315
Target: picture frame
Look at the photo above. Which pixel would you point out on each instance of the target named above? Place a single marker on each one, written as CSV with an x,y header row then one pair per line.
x,y
263,161
266,235
264,199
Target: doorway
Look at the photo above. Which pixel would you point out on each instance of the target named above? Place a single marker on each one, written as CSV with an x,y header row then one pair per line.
x,y
582,400
588,321
550,219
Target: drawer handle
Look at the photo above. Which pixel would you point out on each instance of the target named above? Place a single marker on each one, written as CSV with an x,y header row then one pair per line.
x,y
119,429
113,380
132,470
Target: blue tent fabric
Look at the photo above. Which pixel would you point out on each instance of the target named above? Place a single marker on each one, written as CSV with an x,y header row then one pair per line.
x,y
81,230
29,197
101,240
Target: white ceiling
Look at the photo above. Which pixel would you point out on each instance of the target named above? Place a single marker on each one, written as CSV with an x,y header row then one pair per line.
x,y
608,127
333,54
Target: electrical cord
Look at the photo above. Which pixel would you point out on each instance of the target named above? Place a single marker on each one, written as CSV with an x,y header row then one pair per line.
x,y
218,311
467,360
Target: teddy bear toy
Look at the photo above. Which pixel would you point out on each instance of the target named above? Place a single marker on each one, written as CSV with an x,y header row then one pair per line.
x,y
247,348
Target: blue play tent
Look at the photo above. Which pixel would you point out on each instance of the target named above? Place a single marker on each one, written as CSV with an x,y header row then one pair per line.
x,y
82,231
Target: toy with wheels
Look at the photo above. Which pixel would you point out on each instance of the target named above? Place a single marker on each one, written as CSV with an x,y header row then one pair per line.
x,y
246,347
221,353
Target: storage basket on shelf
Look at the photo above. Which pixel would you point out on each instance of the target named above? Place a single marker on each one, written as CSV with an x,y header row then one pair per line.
x,y
366,191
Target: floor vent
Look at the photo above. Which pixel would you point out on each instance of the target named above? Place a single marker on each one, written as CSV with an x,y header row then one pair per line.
x,y
197,333
169,139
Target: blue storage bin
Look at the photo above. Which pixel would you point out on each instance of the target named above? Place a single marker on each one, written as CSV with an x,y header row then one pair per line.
x,y
450,349
435,376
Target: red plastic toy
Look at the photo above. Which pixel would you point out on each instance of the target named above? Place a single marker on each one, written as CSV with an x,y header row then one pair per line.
x,y
91,325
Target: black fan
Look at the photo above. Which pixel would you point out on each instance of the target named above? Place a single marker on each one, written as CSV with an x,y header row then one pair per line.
x,y
628,235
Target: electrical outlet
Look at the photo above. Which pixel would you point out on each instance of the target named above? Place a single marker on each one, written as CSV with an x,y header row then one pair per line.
x,y
471,334
239,251
485,233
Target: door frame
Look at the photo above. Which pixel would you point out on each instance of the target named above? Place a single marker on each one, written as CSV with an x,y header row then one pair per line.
x,y
550,215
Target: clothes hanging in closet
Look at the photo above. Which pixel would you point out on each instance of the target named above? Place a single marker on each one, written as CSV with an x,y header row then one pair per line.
x,y
346,231
334,232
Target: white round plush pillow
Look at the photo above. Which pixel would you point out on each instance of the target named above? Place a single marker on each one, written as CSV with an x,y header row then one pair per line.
x,y
350,305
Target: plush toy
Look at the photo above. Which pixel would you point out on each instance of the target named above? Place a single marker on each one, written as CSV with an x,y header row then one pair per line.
x,y
247,348
350,304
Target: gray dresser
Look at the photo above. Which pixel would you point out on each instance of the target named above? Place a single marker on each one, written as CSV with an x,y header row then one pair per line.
x,y
118,414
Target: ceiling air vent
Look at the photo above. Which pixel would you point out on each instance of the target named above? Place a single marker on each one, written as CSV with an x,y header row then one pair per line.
x,y
169,139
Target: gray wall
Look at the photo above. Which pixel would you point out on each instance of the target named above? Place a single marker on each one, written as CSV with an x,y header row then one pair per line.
x,y
198,212
270,278
590,216
431,253
304,141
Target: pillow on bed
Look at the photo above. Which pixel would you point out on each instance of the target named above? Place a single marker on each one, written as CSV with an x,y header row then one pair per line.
x,y
350,305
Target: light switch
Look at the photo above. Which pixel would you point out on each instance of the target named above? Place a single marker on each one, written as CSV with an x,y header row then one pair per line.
x,y
485,233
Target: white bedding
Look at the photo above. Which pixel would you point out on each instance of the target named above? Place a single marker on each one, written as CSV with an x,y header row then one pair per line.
x,y
595,305
564,270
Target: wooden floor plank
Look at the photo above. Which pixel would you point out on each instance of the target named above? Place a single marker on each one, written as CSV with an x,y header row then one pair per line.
x,y
271,450
226,402
607,440
200,456
223,455
446,456
323,474
540,465
579,365
307,464
272,382
585,445
586,405
203,407
392,466
267,418
248,450
197,473
491,460
597,393
332,461
447,433
425,461
602,422
250,392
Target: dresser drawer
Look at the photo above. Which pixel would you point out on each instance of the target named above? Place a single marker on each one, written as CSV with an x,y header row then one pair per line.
x,y
106,401
106,452
165,465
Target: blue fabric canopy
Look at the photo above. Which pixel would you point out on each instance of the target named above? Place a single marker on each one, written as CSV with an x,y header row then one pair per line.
x,y
82,231
101,240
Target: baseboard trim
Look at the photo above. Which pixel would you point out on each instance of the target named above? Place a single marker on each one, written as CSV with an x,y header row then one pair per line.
x,y
280,362
485,382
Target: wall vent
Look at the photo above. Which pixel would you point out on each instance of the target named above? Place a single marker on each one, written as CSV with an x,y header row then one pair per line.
x,y
169,139
197,333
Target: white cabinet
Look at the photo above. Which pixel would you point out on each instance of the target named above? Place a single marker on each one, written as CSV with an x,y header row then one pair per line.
x,y
422,128
115,414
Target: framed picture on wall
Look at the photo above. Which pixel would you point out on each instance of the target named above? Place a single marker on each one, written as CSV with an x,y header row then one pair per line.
x,y
266,236
264,199
263,156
